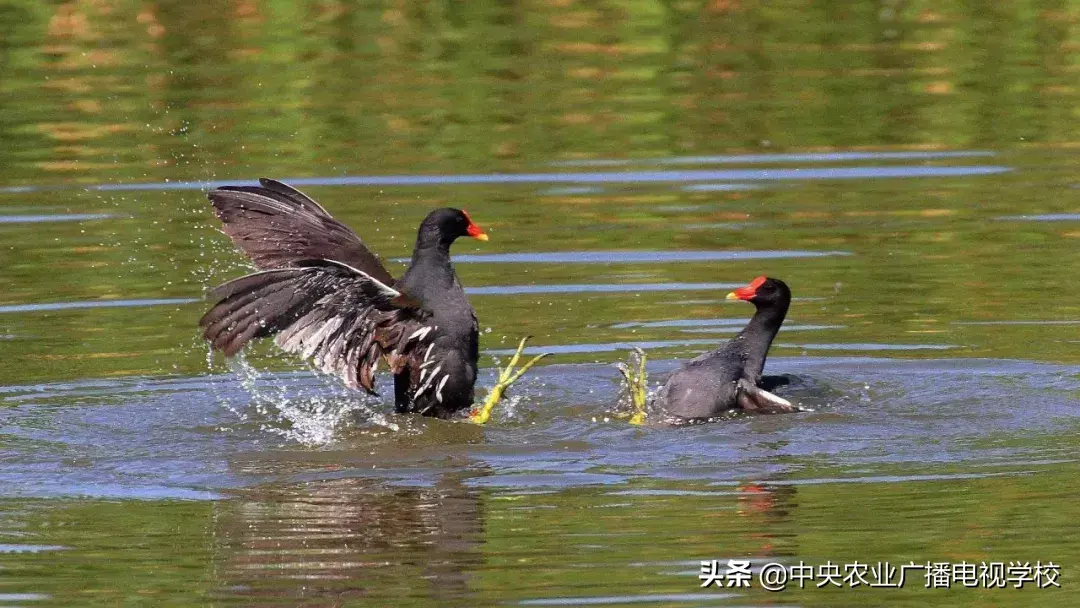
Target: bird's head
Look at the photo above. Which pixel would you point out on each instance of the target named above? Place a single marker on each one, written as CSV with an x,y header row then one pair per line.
x,y
763,291
445,225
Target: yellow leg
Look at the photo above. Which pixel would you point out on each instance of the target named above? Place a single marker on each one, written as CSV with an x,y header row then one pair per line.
x,y
637,382
507,376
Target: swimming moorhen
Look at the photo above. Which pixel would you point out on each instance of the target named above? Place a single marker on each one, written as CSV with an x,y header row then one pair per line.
x,y
325,296
728,377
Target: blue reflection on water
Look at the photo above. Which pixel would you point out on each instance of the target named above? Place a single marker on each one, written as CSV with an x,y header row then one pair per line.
x,y
813,157
625,257
816,173
596,288
63,217
42,307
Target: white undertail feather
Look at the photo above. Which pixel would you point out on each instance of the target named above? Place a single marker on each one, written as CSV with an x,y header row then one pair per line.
x,y
774,399
442,383
427,385
420,334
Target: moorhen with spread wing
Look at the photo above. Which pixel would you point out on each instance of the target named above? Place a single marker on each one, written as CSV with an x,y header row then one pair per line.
x,y
325,296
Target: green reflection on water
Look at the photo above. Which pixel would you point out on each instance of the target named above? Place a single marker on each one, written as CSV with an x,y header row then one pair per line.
x,y
142,92
357,542
125,92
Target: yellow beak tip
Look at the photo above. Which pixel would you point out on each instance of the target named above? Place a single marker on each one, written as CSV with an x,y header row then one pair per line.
x,y
481,237
731,296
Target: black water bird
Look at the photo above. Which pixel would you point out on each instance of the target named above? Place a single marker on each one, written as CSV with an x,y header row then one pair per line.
x,y
728,377
325,296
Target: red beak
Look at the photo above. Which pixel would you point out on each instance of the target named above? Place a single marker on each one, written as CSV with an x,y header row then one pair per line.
x,y
748,292
473,230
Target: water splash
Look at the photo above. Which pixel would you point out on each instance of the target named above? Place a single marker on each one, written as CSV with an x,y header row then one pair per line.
x,y
312,415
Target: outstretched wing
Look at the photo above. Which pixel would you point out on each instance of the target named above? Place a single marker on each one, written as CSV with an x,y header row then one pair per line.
x,y
339,317
278,226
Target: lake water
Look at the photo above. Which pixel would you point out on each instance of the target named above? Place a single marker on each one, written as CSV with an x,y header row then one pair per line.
x,y
908,168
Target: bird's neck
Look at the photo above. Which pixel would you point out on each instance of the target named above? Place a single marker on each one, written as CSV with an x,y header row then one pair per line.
x,y
430,271
756,338
431,250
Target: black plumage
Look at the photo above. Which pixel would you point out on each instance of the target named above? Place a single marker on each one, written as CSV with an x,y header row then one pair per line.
x,y
730,376
325,296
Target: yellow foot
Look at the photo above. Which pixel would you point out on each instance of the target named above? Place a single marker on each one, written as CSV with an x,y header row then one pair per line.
x,y
637,382
507,377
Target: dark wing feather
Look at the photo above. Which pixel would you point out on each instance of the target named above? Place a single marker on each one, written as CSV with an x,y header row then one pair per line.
x,y
278,226
339,317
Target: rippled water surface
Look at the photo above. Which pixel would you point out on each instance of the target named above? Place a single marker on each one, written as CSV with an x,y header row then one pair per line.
x,y
909,168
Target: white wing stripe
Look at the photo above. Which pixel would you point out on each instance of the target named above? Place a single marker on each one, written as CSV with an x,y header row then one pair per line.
x,y
384,289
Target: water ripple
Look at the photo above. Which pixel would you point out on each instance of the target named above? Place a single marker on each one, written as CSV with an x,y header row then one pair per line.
x,y
683,323
713,325
1035,322
870,347
23,597
614,177
6,548
719,187
62,217
633,257
596,288
92,304
812,157
571,349
787,328
606,347
1044,217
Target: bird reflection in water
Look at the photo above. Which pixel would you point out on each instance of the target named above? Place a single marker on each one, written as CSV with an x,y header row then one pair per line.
x,y
349,539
